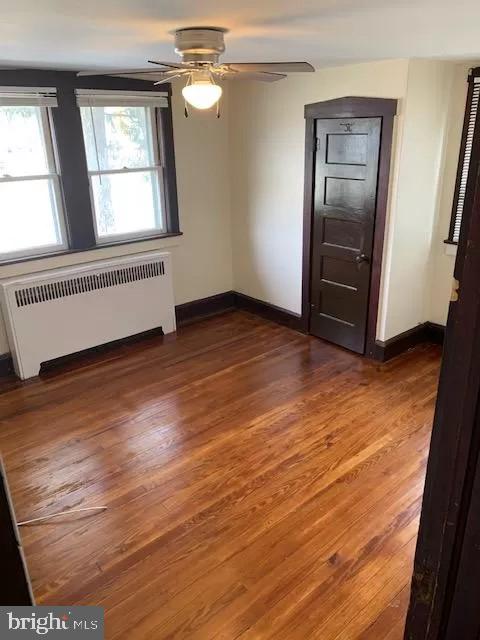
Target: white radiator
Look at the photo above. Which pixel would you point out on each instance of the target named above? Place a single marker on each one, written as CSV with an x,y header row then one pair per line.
x,y
62,311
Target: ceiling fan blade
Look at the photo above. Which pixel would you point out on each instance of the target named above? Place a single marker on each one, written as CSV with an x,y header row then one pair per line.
x,y
117,72
274,67
173,65
168,78
262,76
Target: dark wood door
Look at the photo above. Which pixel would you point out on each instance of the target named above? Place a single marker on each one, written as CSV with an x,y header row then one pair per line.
x,y
15,589
345,188
464,617
444,602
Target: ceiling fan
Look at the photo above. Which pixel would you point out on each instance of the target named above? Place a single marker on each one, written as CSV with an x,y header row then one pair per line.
x,y
200,49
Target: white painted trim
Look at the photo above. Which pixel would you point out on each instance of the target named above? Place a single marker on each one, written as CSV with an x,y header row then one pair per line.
x,y
105,98
450,249
49,262
28,96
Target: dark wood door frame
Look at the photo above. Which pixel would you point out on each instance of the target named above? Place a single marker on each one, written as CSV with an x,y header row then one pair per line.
x,y
349,107
444,595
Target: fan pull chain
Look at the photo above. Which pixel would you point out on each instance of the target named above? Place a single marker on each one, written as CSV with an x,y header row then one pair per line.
x,y
189,81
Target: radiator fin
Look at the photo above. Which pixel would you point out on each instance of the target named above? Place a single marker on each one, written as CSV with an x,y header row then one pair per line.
x,y
84,284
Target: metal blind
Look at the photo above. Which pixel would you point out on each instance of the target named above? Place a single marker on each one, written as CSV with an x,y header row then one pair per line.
x,y
459,200
98,98
28,97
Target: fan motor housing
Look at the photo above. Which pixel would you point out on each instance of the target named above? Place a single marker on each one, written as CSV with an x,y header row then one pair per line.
x,y
200,44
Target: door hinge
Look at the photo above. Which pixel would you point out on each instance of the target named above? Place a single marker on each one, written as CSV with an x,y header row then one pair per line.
x,y
455,290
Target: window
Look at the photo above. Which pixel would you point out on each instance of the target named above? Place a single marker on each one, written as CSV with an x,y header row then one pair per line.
x,y
124,165
31,217
83,168
473,100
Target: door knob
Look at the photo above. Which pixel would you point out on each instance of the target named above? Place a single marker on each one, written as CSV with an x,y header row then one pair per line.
x,y
362,258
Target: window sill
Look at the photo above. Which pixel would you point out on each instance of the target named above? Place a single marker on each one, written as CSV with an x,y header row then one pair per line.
x,y
119,243
450,248
104,248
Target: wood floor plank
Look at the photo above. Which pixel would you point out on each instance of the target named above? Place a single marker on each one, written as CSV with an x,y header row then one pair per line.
x,y
260,557
260,483
232,515
389,623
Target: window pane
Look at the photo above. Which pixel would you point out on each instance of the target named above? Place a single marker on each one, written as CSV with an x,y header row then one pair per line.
x,y
22,148
117,137
28,216
127,203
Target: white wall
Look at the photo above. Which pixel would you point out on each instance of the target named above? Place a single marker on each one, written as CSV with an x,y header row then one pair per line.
x,y
414,201
240,184
267,130
267,133
202,256
442,256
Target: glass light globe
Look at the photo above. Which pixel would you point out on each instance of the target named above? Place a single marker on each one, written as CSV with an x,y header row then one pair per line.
x,y
202,94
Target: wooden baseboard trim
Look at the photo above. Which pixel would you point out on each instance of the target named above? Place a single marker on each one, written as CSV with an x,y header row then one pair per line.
x,y
6,364
190,312
269,311
435,332
213,305
86,355
199,309
426,332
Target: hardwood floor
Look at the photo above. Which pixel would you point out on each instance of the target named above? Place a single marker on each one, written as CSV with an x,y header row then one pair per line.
x,y
261,484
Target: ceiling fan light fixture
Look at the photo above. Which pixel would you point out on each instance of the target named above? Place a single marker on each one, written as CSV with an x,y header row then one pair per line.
x,y
201,92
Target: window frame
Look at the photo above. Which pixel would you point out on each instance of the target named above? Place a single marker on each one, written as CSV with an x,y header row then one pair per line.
x,y
154,134
455,215
55,180
67,132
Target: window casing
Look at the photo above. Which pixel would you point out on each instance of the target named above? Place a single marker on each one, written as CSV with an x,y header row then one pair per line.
x,y
471,112
31,203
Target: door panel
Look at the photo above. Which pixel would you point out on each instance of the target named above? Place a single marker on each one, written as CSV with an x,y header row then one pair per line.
x,y
342,233
346,193
336,301
346,172
339,271
347,148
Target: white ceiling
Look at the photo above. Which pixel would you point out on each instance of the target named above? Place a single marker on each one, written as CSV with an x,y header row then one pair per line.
x,y
124,33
